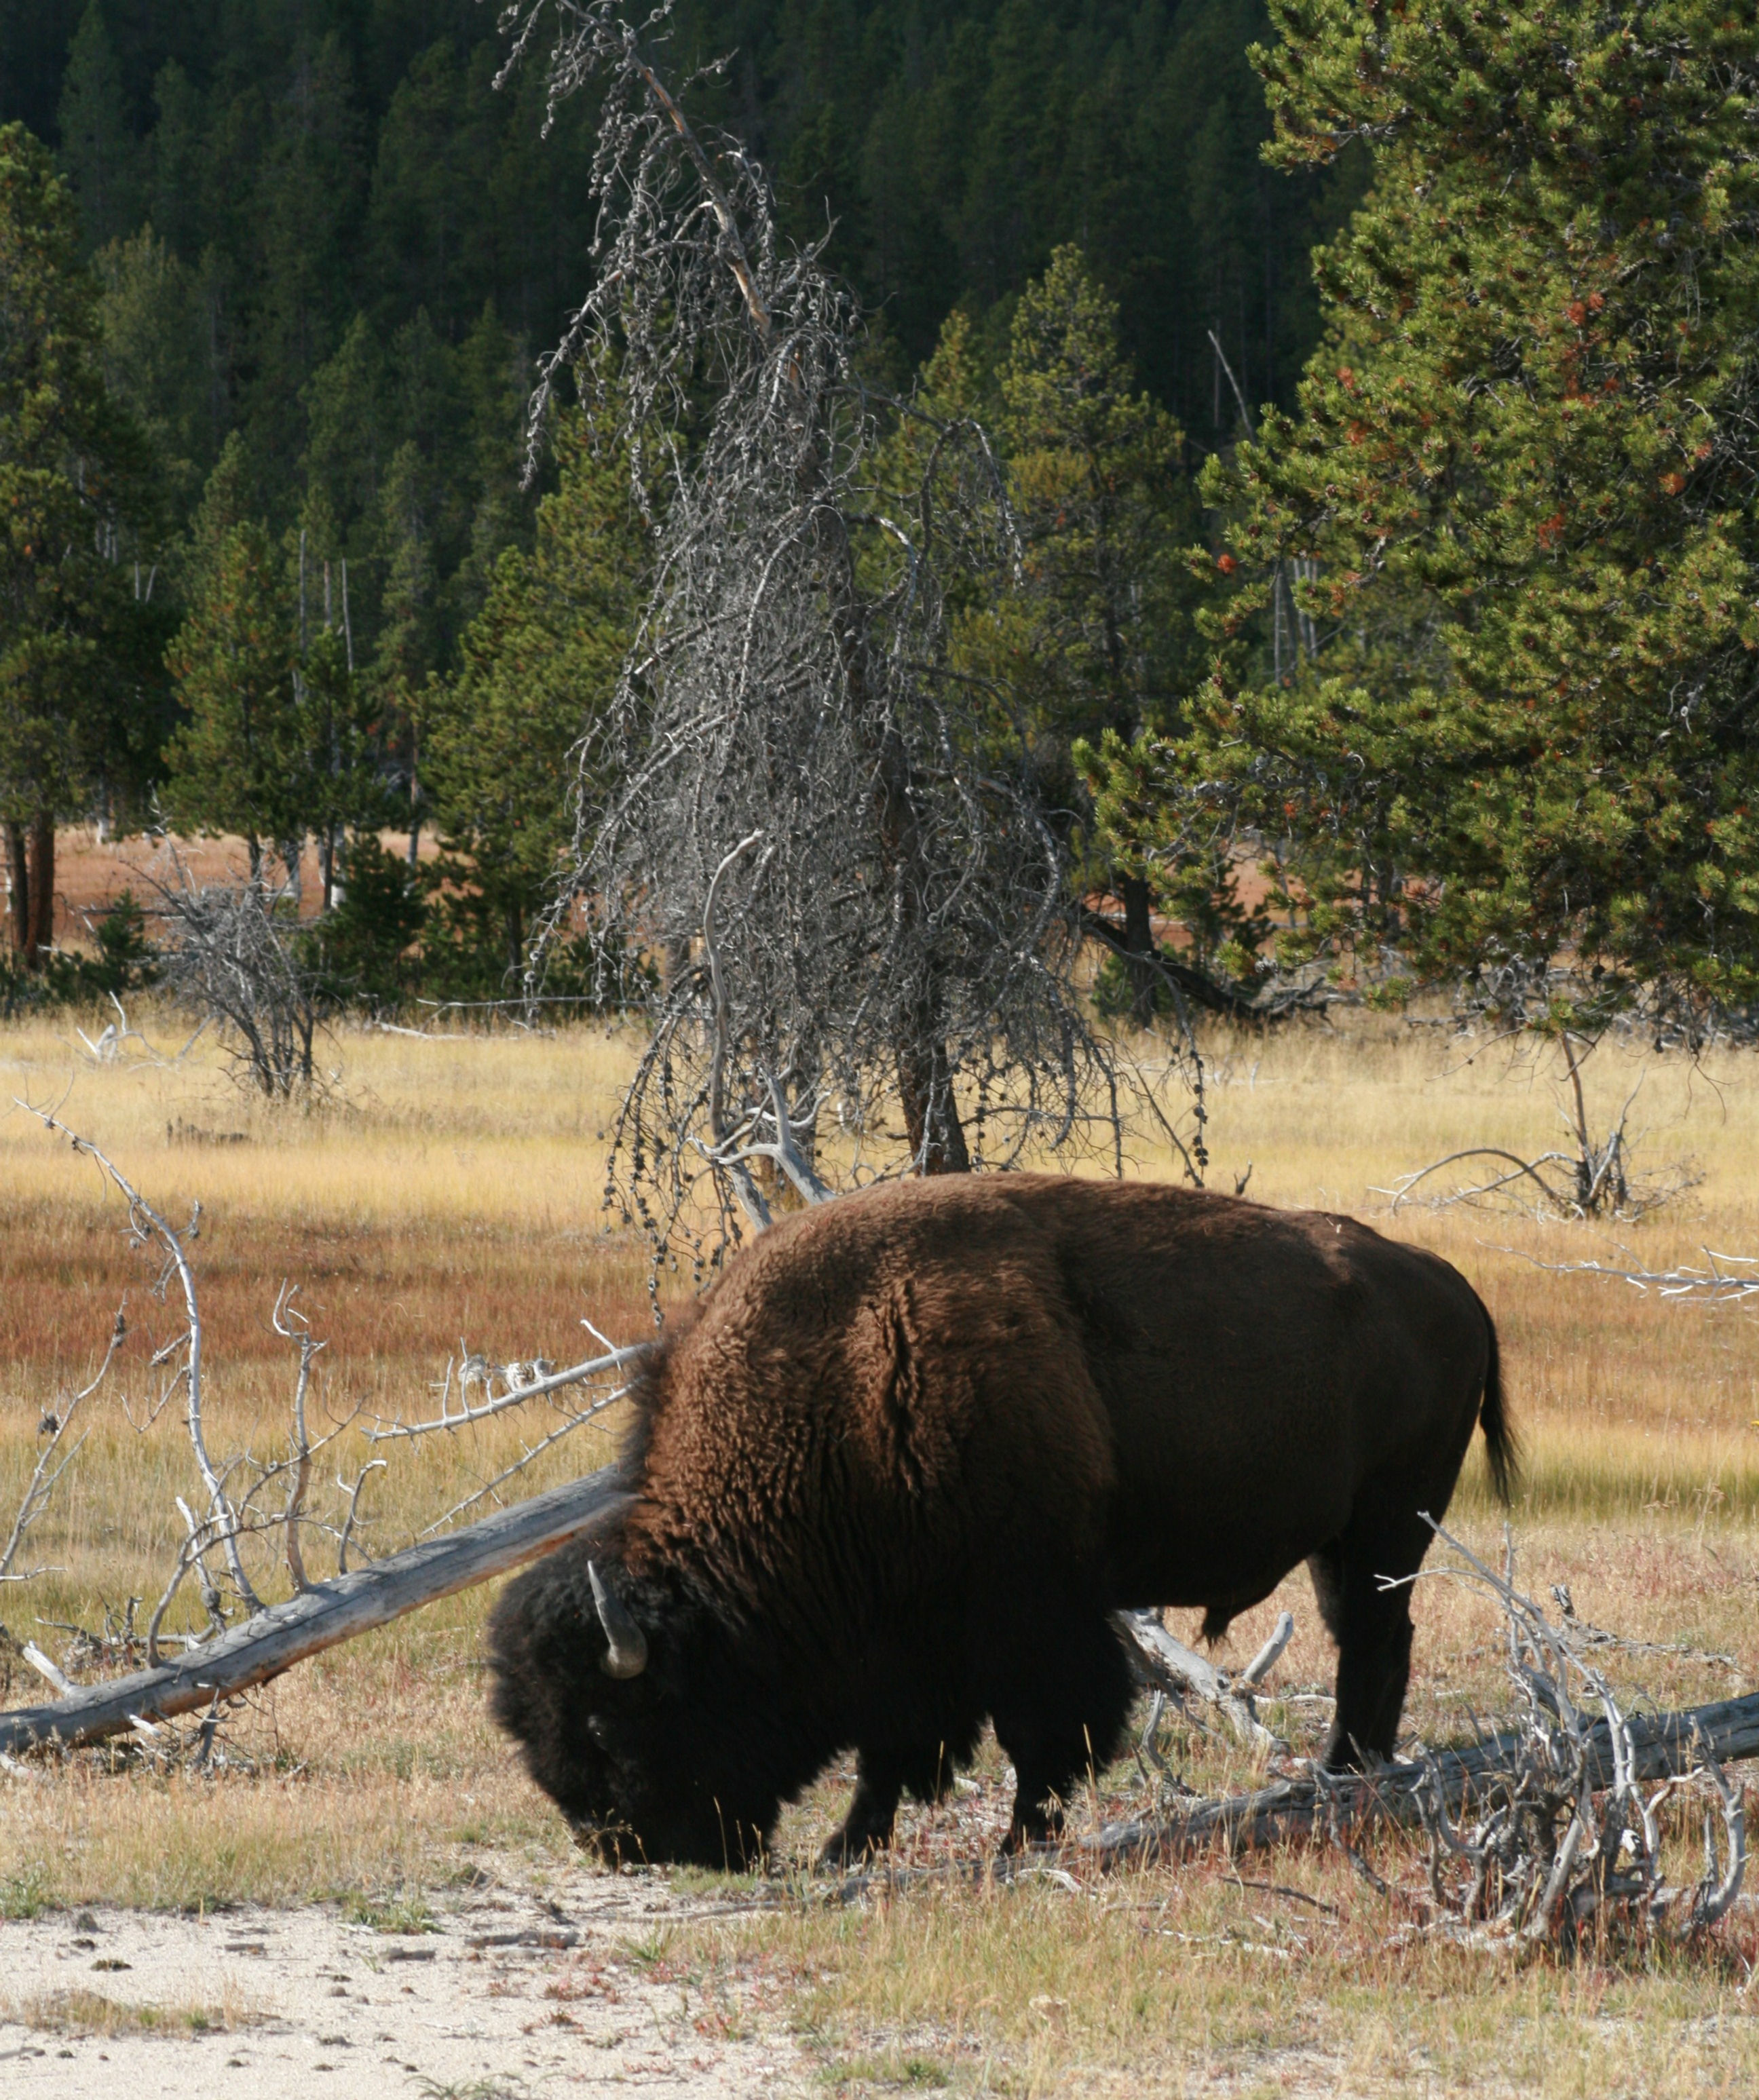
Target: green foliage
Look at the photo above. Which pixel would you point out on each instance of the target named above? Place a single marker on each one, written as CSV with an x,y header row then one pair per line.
x,y
1521,493
237,762
98,146
77,698
148,316
539,661
365,949
401,1911
1097,636
126,960
278,738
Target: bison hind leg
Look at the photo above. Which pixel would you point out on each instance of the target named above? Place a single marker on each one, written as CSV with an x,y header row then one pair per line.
x,y
1371,1625
1216,1622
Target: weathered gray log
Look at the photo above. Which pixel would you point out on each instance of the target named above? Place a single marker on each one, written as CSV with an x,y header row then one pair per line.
x,y
1289,1809
1168,1662
1664,1744
273,1640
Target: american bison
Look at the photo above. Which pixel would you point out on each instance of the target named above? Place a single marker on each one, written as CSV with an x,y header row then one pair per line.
x,y
893,1470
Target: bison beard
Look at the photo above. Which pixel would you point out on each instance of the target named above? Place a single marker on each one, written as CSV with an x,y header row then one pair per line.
x,y
896,1468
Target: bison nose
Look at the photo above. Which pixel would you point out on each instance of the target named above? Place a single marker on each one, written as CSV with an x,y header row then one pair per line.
x,y
626,1645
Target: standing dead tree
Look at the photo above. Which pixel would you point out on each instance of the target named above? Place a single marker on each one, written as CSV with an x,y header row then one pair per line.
x,y
826,835
231,958
1594,1178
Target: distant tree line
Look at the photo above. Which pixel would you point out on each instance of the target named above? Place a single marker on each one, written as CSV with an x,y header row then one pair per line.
x,y
1422,576
323,249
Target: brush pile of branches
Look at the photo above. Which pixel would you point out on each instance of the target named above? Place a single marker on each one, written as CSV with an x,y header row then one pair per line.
x,y
1552,1849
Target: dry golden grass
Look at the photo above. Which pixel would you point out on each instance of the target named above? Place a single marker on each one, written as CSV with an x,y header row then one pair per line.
x,y
83,2012
451,1188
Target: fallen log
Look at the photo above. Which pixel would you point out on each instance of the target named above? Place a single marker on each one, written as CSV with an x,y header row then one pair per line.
x,y
272,1640
1664,1744
1181,1671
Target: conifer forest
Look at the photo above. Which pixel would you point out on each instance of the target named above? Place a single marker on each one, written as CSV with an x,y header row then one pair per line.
x,y
1361,593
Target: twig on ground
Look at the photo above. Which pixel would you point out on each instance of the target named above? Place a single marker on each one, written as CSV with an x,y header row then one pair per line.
x,y
1714,1285
1168,1663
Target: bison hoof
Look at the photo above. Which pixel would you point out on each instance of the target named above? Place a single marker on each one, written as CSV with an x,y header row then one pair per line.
x,y
844,1852
1034,1827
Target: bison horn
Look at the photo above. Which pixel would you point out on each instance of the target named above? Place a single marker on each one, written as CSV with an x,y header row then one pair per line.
x,y
627,1653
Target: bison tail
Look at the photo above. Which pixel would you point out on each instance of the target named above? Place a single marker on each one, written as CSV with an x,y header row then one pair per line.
x,y
1501,1445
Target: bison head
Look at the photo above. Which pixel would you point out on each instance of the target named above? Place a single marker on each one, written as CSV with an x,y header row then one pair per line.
x,y
611,1685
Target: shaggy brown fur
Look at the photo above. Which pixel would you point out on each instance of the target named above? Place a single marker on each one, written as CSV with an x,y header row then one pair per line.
x,y
897,1465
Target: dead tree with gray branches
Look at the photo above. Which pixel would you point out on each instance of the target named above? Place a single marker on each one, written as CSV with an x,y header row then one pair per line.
x,y
232,956
827,836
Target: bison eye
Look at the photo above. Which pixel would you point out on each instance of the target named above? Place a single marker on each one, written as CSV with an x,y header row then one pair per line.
x,y
599,1728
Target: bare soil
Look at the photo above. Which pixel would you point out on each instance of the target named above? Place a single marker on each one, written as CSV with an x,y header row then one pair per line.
x,y
507,1990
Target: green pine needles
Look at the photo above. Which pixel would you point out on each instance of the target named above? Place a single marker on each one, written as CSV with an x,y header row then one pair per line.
x,y
1515,511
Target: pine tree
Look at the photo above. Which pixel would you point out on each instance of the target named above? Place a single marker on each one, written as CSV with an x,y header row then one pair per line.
x,y
97,147
540,661
150,314
76,707
240,762
1096,640
1522,484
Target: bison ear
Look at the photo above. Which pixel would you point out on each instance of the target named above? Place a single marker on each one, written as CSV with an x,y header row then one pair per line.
x,y
626,1651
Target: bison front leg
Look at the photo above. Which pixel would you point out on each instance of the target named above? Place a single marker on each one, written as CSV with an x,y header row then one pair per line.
x,y
868,1826
1062,1718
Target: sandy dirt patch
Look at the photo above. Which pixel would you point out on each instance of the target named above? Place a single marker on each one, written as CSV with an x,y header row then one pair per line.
x,y
512,1994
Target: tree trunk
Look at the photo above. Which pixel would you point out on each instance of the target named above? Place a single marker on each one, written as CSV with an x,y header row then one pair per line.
x,y
1291,1808
930,1114
292,852
925,1083
18,888
1139,938
42,927
516,940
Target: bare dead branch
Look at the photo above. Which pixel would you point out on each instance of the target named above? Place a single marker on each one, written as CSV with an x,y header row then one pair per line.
x,y
373,1465
149,1228
523,1383
293,1326
1168,1662
53,1460
1556,1850
1716,1284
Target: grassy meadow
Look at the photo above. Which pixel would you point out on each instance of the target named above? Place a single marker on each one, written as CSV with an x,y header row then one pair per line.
x,y
447,1189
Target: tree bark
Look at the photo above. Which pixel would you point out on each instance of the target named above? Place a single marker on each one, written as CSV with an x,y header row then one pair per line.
x,y
322,1616
18,888
1139,938
1664,1744
925,1084
42,927
515,937
930,1114
292,852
